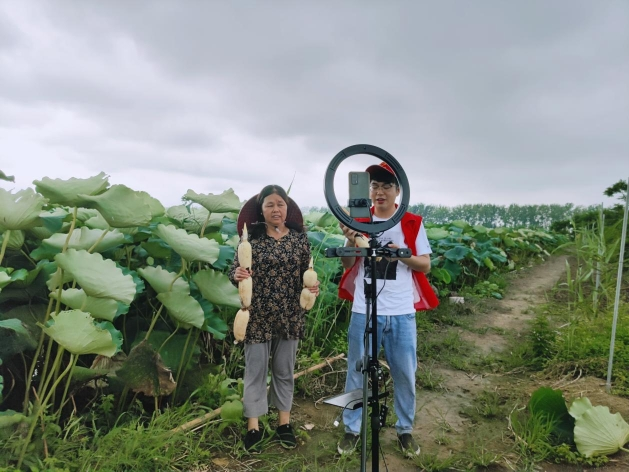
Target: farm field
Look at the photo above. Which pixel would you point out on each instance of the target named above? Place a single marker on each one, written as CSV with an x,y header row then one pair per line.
x,y
118,351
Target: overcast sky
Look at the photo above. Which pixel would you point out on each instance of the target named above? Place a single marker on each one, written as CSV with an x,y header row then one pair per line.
x,y
480,102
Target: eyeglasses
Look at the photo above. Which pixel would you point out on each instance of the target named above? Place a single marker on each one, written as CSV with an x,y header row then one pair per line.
x,y
375,188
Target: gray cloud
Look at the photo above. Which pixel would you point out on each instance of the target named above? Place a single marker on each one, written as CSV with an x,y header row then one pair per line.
x,y
479,101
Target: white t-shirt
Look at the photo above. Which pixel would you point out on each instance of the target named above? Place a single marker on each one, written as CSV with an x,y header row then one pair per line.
x,y
394,279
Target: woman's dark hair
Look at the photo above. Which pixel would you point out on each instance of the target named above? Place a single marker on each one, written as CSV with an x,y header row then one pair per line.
x,y
259,227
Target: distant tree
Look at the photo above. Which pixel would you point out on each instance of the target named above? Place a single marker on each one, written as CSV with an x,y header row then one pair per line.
x,y
619,188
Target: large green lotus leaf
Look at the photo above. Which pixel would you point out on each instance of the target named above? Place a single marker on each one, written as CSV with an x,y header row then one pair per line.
x,y
83,238
234,241
232,410
217,288
224,203
441,274
70,192
161,280
58,279
173,349
157,209
8,178
144,372
457,253
550,404
100,308
598,432
184,309
122,207
20,210
437,233
29,315
97,276
16,338
580,406
92,218
189,246
16,239
78,333
5,279
214,322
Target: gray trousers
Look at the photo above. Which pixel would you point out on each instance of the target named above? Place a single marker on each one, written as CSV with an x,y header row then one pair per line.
x,y
283,353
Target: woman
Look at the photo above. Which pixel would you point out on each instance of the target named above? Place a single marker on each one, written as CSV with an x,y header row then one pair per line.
x,y
280,256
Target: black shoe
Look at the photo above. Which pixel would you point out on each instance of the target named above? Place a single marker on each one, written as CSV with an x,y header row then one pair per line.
x,y
348,443
253,441
286,436
408,445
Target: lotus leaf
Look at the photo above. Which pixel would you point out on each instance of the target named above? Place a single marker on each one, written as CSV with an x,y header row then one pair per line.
x,y
161,280
193,218
5,279
226,202
157,209
97,276
70,192
144,372
173,349
58,279
8,178
231,410
596,430
16,338
184,309
92,218
437,233
99,308
9,418
16,239
189,246
122,207
20,210
217,288
83,238
78,333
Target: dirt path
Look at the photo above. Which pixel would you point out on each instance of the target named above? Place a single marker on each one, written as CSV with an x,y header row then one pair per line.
x,y
443,424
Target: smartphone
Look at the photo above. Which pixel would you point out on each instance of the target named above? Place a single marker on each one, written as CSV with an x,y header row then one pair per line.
x,y
359,201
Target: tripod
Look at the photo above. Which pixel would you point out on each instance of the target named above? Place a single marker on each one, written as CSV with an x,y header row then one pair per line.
x,y
369,365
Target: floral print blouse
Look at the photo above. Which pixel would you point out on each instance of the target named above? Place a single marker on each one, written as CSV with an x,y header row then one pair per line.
x,y
278,267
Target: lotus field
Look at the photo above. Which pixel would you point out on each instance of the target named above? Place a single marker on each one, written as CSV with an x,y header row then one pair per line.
x,y
104,293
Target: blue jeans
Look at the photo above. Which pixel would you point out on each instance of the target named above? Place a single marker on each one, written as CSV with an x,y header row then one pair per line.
x,y
398,336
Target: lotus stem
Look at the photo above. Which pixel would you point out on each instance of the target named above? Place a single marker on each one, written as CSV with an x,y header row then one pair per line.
x,y
98,241
168,339
179,274
5,243
73,361
72,226
182,364
207,220
40,407
31,371
153,321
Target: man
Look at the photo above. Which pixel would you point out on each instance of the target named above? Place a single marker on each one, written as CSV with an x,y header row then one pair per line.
x,y
402,289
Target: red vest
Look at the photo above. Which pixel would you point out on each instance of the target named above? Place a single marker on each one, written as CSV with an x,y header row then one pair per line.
x,y
424,297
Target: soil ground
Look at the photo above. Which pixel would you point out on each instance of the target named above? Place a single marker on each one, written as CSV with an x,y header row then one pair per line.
x,y
444,425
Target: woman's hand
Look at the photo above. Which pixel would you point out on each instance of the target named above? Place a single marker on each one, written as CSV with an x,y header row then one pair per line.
x,y
315,289
241,274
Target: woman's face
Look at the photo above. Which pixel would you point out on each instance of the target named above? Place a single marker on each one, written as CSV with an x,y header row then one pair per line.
x,y
274,210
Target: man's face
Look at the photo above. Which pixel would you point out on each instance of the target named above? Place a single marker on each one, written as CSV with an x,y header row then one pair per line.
x,y
383,195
